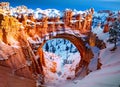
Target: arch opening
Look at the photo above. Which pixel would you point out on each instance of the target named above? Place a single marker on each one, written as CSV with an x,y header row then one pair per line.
x,y
78,43
61,57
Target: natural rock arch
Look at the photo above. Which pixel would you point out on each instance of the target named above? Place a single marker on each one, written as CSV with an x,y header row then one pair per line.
x,y
85,53
78,42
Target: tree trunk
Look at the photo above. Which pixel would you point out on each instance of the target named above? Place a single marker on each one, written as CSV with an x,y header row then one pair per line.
x,y
115,47
115,44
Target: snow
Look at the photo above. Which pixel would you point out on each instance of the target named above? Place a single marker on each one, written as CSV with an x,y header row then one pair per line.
x,y
60,22
99,18
77,12
63,60
94,61
107,76
99,32
38,13
68,70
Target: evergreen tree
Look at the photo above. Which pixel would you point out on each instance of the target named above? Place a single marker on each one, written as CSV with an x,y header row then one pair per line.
x,y
71,46
114,33
64,41
67,48
47,47
53,49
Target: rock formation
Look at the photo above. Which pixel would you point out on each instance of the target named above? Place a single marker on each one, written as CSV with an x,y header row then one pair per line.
x,y
22,37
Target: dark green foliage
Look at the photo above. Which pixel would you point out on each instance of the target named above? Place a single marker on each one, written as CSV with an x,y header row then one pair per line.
x,y
47,47
53,49
114,33
67,48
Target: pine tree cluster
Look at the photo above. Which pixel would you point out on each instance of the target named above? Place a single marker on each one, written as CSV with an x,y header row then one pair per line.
x,y
114,33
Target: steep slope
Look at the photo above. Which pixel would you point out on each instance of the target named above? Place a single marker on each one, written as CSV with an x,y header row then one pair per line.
x,y
7,79
108,75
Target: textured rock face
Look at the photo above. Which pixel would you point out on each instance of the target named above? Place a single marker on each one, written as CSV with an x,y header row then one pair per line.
x,y
4,5
19,53
10,48
9,28
13,51
10,80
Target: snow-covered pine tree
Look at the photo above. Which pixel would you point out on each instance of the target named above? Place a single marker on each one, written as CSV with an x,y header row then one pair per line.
x,y
47,47
114,33
53,49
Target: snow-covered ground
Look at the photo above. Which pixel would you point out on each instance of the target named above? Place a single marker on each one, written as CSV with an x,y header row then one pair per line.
x,y
107,76
61,58
57,69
